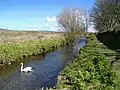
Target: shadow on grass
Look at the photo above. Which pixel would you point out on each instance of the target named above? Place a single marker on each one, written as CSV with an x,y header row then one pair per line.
x,y
110,39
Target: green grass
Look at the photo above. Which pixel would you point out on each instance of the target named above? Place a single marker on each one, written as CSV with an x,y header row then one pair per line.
x,y
10,52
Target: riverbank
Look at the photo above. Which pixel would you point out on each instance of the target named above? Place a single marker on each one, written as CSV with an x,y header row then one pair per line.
x,y
91,69
11,52
15,45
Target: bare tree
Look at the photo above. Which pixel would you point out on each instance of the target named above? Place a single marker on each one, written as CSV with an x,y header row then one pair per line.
x,y
87,22
73,21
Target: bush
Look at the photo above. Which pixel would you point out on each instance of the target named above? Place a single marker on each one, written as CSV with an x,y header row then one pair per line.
x,y
90,70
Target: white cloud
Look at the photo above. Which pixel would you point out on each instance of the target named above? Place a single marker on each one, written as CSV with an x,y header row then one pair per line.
x,y
91,29
50,24
51,19
55,25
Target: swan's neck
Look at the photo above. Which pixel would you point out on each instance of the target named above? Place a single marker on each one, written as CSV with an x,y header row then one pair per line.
x,y
21,66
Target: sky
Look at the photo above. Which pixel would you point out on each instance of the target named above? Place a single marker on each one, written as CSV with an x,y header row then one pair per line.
x,y
36,14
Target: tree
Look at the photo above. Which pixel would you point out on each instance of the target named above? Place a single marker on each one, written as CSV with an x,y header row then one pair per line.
x,y
106,15
87,21
72,22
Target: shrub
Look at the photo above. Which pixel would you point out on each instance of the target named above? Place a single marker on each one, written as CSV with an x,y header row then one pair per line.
x,y
89,70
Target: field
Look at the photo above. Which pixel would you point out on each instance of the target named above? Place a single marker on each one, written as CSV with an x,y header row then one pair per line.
x,y
21,36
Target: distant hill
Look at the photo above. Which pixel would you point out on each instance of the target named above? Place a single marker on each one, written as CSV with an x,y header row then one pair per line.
x,y
2,29
43,31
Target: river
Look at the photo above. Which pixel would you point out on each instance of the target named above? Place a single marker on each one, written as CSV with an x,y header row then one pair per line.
x,y
46,69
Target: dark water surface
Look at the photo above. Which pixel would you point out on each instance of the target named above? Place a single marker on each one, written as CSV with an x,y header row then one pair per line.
x,y
46,69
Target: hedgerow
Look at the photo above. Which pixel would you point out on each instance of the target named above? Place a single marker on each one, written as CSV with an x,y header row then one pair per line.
x,y
90,70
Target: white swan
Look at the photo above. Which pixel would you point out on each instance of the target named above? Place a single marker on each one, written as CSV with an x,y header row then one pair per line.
x,y
27,69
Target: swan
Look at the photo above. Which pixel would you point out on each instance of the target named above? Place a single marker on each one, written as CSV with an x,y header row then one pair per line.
x,y
27,69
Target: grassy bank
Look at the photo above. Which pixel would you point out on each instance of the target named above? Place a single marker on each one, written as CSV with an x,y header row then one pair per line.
x,y
91,70
10,52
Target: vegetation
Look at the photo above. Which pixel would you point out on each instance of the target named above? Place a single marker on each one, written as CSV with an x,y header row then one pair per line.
x,y
72,22
91,69
95,66
106,15
10,52
8,36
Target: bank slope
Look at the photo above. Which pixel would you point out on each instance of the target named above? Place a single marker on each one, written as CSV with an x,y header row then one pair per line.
x,y
10,52
91,70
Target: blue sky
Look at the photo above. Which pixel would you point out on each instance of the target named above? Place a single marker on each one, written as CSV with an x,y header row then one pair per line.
x,y
35,14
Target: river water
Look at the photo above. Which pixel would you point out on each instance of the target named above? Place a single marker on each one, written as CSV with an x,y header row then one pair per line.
x,y
46,69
